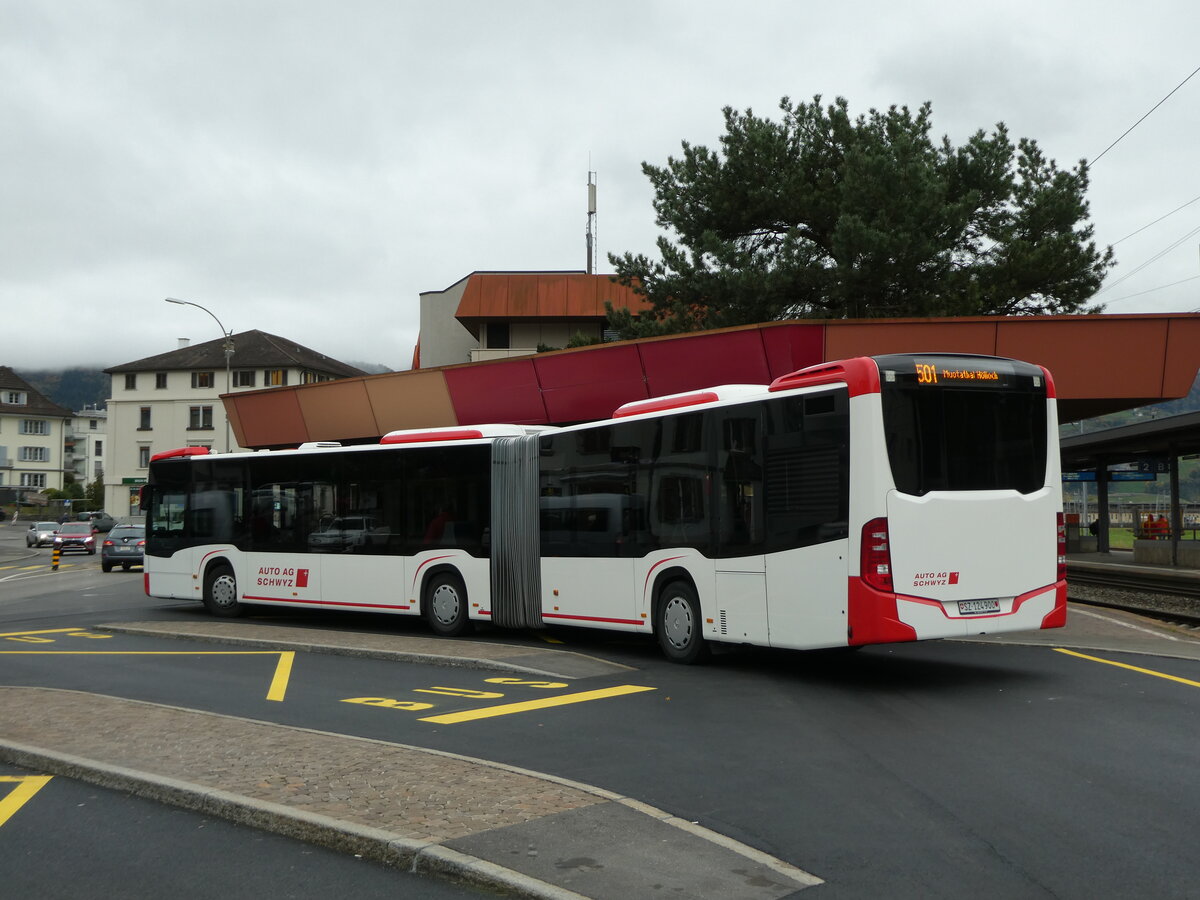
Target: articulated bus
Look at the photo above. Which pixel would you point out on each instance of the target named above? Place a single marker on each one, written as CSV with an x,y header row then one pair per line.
x,y
870,500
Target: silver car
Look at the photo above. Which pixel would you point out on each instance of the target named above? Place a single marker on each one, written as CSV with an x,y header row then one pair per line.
x,y
41,534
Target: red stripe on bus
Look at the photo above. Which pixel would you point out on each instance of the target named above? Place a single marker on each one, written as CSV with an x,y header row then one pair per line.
x,y
420,437
662,404
1057,617
547,615
646,584
860,375
326,602
181,452
1018,602
417,572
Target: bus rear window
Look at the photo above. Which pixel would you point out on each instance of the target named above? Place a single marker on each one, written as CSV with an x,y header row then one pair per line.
x,y
964,432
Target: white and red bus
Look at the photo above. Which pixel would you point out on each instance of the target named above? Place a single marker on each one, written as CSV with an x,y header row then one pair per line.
x,y
870,500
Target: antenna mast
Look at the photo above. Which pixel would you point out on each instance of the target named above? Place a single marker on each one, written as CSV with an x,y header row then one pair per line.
x,y
591,220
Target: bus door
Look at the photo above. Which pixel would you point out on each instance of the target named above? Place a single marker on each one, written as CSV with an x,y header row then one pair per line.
x,y
169,552
807,506
740,569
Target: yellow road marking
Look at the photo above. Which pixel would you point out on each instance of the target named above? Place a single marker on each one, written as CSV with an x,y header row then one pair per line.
x,y
27,786
142,652
279,682
506,709
1121,665
47,631
283,672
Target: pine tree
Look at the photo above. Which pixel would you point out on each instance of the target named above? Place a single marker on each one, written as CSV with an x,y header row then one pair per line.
x,y
821,215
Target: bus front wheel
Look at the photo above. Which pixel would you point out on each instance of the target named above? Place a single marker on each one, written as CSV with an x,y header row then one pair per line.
x,y
220,592
446,607
679,625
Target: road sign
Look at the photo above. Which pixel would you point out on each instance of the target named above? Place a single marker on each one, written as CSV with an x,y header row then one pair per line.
x,y
1132,476
1122,475
1157,464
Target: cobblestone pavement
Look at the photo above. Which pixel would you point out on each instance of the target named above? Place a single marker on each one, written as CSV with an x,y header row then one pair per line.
x,y
422,810
413,793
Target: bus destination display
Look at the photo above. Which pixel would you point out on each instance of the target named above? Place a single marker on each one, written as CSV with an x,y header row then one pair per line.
x,y
929,373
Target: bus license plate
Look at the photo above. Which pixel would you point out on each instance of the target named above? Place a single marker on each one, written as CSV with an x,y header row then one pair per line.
x,y
974,607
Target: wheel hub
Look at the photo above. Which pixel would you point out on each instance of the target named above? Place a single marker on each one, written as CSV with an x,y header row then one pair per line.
x,y
445,604
677,622
224,591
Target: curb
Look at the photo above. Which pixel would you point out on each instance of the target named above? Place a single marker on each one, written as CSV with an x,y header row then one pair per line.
x,y
426,857
422,858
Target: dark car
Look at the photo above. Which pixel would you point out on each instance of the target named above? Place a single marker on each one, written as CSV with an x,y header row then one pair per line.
x,y
125,546
101,521
40,534
76,536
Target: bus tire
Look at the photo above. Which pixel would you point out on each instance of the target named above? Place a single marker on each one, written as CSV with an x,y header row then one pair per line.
x,y
220,592
678,624
446,607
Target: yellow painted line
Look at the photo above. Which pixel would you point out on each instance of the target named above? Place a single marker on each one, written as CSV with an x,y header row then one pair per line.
x,y
283,672
1121,665
47,631
506,709
547,638
141,652
27,786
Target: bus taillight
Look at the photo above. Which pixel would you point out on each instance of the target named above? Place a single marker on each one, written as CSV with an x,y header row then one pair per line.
x,y
876,555
1062,547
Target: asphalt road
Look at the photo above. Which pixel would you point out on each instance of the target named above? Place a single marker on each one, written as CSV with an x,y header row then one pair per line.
x,y
949,768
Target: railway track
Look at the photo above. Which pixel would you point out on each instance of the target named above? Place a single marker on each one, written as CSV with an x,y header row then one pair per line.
x,y
1172,597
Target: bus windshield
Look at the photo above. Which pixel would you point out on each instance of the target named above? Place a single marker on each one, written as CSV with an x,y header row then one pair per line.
x,y
964,423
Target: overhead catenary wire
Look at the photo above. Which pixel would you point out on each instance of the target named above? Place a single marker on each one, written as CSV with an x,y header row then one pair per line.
x,y
1167,250
1096,158
1155,258
1156,221
1161,287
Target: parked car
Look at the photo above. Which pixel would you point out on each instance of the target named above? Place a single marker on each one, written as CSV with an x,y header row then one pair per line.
x,y
101,520
125,546
76,536
41,534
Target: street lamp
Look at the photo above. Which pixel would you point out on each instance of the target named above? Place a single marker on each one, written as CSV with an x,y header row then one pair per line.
x,y
228,356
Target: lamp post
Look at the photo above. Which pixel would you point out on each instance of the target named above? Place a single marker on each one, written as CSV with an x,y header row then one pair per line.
x,y
228,356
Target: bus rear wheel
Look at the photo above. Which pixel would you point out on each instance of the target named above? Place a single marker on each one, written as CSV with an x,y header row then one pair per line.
x,y
678,624
220,592
446,607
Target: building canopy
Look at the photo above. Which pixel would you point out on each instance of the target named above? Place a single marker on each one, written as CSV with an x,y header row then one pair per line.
x,y
1100,364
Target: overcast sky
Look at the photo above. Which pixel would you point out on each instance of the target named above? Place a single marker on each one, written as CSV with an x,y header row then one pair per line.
x,y
308,168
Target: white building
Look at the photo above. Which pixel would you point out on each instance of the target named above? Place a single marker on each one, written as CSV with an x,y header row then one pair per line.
x,y
87,443
32,439
173,400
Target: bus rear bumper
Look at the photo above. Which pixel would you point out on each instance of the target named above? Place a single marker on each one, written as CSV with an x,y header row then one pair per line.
x,y
1043,607
877,617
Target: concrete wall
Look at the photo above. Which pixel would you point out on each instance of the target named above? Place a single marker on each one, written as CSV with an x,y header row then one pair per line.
x,y
1158,553
444,340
